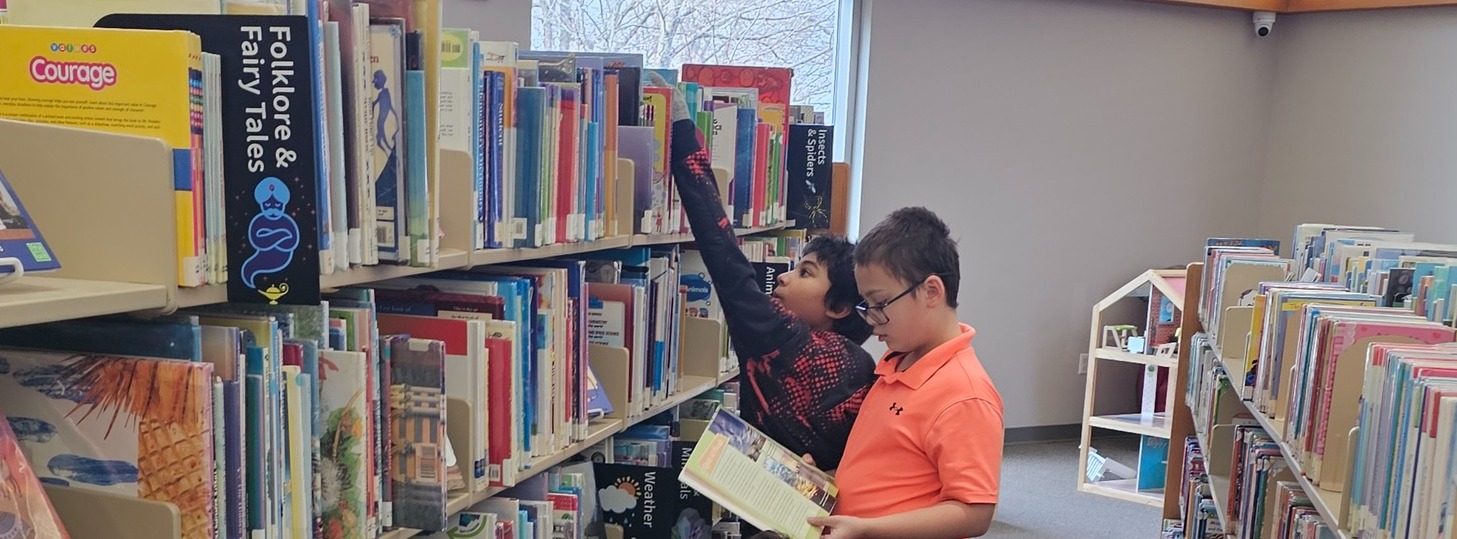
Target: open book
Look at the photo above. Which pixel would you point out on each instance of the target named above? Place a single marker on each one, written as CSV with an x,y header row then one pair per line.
x,y
757,479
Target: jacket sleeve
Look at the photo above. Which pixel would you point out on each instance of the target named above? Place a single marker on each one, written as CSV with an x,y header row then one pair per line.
x,y
757,323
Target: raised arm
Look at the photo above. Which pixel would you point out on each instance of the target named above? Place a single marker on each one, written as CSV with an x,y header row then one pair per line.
x,y
757,324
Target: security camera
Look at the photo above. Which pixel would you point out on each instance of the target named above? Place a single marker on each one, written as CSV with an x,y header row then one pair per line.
x,y
1264,22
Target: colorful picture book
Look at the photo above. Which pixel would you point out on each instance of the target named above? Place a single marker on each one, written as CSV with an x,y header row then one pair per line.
x,y
754,477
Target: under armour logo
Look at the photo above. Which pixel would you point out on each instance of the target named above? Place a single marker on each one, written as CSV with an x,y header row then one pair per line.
x,y
896,409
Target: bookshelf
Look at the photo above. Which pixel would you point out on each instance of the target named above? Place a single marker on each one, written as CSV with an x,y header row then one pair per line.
x,y
34,300
1147,309
1225,350
1217,446
118,269
110,269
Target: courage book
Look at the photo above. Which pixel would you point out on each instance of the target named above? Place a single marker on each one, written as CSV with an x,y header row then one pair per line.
x,y
131,82
758,479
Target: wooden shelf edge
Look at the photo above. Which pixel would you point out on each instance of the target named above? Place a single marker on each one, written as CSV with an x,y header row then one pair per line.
x,y
1109,353
486,257
1110,423
599,432
1315,6
35,300
1248,5
1146,498
449,259
691,387
1306,6
659,239
664,239
1181,422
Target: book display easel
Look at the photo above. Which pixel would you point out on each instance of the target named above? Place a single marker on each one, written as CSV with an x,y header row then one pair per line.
x,y
1134,336
119,259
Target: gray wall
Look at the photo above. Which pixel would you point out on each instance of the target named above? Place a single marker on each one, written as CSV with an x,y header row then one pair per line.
x,y
1065,143
496,20
1364,127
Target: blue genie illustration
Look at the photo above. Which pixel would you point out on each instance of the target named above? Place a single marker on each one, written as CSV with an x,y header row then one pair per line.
x,y
273,234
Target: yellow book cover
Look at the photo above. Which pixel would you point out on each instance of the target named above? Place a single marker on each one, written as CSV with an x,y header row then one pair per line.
x,y
134,82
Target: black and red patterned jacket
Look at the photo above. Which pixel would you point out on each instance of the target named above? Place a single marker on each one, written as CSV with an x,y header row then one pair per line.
x,y
800,386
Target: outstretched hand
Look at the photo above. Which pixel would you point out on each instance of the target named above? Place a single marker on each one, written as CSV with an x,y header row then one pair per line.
x,y
680,103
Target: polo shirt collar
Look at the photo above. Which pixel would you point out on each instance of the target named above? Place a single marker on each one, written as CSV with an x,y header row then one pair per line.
x,y
919,373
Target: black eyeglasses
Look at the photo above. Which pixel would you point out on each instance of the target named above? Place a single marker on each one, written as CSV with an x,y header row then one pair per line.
x,y
876,314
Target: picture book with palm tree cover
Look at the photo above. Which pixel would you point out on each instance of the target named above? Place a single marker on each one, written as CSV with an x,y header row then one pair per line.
x,y
125,425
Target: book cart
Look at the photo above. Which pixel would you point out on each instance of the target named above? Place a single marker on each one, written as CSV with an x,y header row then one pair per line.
x,y
109,215
1132,344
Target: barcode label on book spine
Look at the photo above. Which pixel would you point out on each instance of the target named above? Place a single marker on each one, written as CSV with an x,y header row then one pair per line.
x,y
384,234
429,463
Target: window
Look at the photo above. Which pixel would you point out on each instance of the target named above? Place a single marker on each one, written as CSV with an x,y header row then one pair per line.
x,y
806,35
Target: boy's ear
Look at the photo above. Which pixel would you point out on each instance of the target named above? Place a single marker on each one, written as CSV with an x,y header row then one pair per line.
x,y
836,313
935,290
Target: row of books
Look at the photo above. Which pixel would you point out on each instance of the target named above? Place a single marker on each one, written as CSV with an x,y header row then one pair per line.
x,y
1325,353
628,481
283,421
1265,502
1199,518
330,117
1240,485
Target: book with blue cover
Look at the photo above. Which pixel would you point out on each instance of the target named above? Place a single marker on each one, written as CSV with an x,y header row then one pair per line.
x,y
20,238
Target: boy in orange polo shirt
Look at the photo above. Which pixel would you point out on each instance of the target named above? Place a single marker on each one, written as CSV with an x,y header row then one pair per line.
x,y
924,457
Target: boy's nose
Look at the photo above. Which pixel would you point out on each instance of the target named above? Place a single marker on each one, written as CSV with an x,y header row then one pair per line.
x,y
782,278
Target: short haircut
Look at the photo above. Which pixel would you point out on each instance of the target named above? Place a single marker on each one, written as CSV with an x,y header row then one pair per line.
x,y
913,244
837,256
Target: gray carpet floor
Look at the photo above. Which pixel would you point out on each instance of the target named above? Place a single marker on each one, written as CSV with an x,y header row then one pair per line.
x,y
1040,499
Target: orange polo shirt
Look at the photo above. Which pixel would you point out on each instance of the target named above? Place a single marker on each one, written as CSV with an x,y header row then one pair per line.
x,y
924,436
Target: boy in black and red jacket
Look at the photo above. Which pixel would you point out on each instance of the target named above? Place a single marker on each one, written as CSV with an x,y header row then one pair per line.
x,y
803,373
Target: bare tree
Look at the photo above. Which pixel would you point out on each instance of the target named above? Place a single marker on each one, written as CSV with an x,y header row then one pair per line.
x,y
799,34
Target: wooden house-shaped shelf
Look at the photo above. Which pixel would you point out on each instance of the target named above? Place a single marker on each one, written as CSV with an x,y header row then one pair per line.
x,y
1132,353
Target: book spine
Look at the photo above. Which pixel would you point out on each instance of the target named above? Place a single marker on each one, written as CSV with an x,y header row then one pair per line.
x,y
417,180
323,163
500,158
191,238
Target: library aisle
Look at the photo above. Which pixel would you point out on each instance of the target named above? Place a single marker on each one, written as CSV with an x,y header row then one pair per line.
x,y
1044,496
